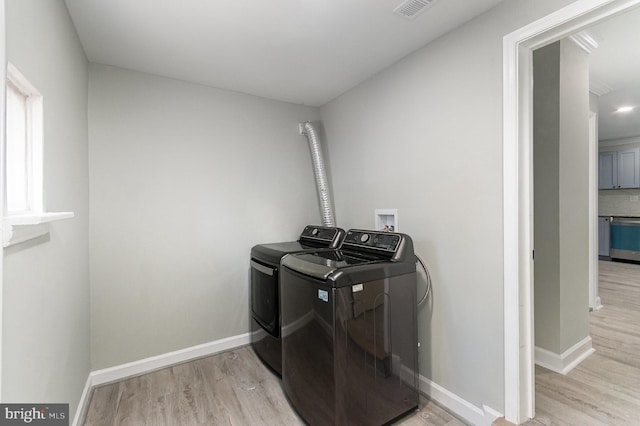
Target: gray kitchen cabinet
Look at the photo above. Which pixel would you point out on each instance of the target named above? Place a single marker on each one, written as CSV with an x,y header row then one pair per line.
x,y
619,169
629,168
604,237
607,170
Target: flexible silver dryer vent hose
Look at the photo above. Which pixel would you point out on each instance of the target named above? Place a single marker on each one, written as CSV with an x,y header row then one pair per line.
x,y
326,209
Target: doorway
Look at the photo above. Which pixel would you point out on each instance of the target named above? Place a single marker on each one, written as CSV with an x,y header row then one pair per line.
x,y
517,189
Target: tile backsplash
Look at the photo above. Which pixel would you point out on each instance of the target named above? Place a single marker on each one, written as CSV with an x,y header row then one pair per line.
x,y
619,202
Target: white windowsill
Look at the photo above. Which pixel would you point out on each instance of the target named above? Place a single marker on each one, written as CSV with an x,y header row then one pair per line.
x,y
20,228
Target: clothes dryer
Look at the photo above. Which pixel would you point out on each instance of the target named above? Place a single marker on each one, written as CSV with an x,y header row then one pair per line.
x,y
265,288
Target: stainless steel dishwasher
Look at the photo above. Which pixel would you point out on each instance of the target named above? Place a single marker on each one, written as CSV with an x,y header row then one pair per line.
x,y
625,238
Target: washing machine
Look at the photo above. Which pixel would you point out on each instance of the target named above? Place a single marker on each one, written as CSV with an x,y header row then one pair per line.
x,y
349,330
265,289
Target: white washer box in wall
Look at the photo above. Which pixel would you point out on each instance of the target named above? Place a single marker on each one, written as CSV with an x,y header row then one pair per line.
x,y
386,220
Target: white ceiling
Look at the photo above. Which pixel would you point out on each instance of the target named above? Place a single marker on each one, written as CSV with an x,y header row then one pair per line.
x,y
615,66
309,52
300,51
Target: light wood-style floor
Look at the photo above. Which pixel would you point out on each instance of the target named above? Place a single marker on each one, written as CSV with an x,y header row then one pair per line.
x,y
231,388
234,388
605,388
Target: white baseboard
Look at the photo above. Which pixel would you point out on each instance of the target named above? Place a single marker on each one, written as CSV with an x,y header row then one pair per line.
x,y
119,372
84,402
147,365
598,304
484,416
566,361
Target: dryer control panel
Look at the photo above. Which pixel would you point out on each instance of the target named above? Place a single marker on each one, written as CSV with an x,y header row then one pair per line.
x,y
385,241
328,236
393,246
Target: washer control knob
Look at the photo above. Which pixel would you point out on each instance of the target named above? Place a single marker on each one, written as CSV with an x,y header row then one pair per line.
x,y
364,238
314,231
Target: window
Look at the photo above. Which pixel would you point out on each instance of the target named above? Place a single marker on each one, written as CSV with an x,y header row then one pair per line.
x,y
24,217
24,146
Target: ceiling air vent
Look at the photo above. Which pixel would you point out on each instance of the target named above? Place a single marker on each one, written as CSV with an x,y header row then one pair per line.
x,y
411,8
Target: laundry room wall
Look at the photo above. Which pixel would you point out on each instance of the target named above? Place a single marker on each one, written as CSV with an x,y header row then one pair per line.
x,y
594,101
185,179
425,137
561,194
45,301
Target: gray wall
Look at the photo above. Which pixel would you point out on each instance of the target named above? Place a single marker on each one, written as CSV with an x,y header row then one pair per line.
x,y
436,118
594,102
574,194
46,282
561,176
546,161
185,179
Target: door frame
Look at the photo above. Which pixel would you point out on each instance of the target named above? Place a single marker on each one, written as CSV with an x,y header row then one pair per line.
x,y
3,85
518,46
594,297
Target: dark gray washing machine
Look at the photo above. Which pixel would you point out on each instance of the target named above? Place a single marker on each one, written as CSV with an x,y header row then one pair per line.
x,y
265,288
349,330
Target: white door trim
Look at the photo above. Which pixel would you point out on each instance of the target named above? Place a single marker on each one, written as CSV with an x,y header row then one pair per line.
x,y
594,297
517,189
3,86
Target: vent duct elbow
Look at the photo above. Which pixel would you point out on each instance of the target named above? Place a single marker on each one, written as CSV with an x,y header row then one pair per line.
x,y
322,184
